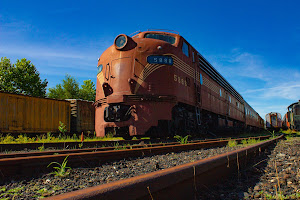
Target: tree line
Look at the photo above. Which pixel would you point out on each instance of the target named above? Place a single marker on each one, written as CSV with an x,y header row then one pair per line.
x,y
22,77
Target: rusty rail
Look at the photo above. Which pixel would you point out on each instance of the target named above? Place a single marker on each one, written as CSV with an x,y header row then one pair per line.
x,y
180,182
30,165
66,151
63,145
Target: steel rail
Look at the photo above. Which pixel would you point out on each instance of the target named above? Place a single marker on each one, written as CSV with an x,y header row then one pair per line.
x,y
18,147
66,151
31,165
88,146
180,182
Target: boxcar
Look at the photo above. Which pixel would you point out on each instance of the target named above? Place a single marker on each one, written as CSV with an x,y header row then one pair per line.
x,y
26,114
82,116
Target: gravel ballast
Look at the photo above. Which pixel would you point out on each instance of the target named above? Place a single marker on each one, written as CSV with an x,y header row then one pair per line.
x,y
79,178
263,179
271,176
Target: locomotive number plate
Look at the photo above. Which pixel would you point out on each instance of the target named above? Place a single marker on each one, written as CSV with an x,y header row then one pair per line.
x,y
164,60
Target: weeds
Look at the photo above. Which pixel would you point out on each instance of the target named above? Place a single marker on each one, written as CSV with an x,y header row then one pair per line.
x,y
252,141
12,192
47,138
41,148
244,142
117,146
62,127
181,139
232,143
61,169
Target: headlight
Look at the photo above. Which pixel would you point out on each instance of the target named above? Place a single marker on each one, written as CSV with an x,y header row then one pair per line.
x,y
121,41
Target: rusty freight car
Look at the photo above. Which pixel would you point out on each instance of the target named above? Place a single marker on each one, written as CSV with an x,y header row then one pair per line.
x,y
82,116
26,114
155,83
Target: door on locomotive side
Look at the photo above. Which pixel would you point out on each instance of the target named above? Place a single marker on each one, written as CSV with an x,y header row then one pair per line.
x,y
119,72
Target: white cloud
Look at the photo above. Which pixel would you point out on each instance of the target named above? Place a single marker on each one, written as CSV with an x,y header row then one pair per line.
x,y
43,52
276,87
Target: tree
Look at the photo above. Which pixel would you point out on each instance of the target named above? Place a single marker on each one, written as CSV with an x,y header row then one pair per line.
x,y
21,78
6,75
69,89
88,90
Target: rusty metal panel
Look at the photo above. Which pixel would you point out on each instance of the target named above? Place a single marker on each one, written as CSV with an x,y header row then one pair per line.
x,y
82,115
26,114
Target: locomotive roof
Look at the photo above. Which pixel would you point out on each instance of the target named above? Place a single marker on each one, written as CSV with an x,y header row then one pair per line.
x,y
293,104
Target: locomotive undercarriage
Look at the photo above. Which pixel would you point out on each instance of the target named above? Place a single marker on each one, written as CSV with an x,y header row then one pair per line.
x,y
184,122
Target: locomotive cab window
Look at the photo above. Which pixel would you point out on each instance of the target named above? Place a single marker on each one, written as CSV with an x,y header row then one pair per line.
x,y
185,49
166,38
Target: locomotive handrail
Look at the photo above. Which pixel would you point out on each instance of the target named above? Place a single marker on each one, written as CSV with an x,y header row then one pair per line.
x,y
139,31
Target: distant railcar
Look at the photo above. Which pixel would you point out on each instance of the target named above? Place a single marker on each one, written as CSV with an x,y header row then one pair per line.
x,y
273,121
293,116
157,84
26,114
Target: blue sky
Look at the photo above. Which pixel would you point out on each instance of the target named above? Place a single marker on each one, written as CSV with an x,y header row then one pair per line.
x,y
255,45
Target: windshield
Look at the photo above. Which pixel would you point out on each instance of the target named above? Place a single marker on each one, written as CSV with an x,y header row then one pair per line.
x,y
165,38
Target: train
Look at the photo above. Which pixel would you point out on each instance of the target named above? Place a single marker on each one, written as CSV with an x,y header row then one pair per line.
x,y
273,121
26,114
292,117
157,84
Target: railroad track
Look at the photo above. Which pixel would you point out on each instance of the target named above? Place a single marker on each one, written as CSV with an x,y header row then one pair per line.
x,y
7,148
69,145
29,164
180,182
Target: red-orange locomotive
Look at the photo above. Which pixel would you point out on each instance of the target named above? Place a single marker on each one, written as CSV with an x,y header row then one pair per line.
x,y
157,84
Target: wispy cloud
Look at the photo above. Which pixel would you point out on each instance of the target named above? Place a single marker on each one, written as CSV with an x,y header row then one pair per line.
x,y
273,88
288,91
43,52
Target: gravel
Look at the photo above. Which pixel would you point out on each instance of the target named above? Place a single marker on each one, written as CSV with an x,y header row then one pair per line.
x,y
274,175
49,185
278,165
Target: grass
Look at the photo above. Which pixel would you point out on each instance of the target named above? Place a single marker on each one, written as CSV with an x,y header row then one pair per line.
x,y
117,146
49,138
61,169
12,192
281,196
181,139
